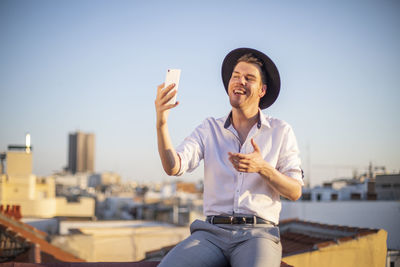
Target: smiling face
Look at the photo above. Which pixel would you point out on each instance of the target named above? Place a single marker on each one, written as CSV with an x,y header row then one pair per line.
x,y
245,87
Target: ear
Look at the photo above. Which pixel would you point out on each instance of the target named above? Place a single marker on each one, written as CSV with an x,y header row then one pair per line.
x,y
263,90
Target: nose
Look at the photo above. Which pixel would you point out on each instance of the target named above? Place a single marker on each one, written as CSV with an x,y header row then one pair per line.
x,y
242,79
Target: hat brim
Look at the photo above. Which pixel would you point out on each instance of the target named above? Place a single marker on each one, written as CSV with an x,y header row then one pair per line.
x,y
271,72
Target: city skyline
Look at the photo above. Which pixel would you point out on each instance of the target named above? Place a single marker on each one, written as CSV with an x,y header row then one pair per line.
x,y
95,66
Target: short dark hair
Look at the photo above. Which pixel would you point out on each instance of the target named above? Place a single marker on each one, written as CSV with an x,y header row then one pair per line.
x,y
250,58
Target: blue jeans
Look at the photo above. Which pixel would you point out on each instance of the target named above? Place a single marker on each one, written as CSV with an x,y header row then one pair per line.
x,y
227,245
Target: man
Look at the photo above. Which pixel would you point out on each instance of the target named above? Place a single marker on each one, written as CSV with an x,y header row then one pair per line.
x,y
250,160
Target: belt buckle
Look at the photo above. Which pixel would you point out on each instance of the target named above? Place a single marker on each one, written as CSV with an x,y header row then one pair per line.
x,y
238,220
212,219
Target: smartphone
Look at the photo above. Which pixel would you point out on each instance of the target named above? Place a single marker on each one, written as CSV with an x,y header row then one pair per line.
x,y
172,76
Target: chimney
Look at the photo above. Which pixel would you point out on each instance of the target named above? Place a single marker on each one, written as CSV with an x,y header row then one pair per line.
x,y
17,212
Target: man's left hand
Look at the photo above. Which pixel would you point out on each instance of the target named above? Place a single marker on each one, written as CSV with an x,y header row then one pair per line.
x,y
252,162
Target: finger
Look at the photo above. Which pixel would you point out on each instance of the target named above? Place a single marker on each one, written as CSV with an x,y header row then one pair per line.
x,y
242,169
237,155
167,89
241,156
235,160
234,163
174,105
245,161
169,106
255,146
231,155
242,166
167,95
238,162
167,98
161,86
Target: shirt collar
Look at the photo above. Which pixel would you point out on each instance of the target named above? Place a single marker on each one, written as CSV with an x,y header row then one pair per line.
x,y
262,120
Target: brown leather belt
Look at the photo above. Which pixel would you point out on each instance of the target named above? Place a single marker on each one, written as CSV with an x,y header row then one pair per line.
x,y
218,219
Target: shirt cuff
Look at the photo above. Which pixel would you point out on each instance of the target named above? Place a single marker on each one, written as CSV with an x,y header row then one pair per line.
x,y
295,174
181,169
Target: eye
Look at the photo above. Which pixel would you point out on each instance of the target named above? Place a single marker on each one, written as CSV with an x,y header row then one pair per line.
x,y
251,79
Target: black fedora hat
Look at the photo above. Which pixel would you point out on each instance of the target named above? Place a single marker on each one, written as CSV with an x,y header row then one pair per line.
x,y
271,73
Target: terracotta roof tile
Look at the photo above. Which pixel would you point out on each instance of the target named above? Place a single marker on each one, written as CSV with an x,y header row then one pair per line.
x,y
23,233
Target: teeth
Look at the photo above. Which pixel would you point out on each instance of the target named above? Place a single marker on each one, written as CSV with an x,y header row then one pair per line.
x,y
239,92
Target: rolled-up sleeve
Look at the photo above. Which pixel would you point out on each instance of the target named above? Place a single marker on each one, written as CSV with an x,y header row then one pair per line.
x,y
289,162
191,150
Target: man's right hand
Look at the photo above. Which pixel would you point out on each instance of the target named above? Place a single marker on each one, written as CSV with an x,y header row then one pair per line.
x,y
169,158
161,103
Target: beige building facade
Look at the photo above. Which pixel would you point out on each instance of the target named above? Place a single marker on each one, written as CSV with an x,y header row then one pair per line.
x,y
368,250
36,195
118,243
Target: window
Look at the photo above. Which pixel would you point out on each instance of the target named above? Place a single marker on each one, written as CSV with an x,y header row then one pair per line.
x,y
306,196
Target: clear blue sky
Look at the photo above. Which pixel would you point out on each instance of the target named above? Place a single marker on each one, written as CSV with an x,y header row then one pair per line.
x,y
94,66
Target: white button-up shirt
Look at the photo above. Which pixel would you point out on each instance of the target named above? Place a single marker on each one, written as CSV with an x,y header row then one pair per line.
x,y
227,191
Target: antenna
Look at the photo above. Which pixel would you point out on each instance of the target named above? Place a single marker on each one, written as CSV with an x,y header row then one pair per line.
x,y
27,147
28,143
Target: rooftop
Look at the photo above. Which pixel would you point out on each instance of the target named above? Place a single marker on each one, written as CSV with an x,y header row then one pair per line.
x,y
303,236
22,243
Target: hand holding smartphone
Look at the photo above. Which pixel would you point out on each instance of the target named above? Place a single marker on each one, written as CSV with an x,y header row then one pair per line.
x,y
173,76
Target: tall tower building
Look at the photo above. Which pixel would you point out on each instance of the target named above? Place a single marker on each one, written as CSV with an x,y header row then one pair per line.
x,y
81,152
